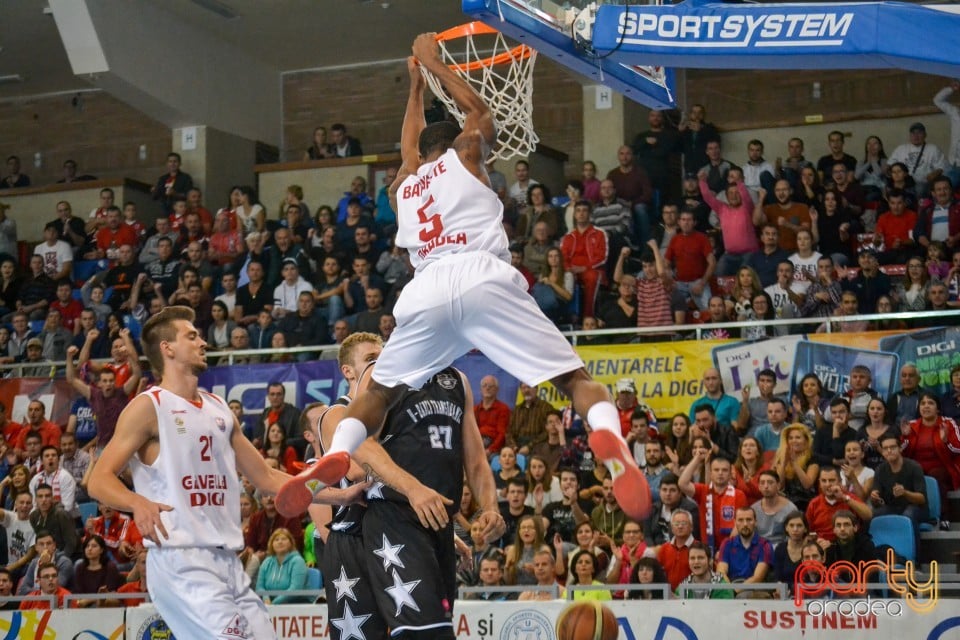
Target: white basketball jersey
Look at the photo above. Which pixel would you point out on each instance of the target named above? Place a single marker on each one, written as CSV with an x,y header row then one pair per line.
x,y
444,209
195,472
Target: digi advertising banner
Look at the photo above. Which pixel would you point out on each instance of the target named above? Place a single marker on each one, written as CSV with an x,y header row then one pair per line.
x,y
933,351
832,364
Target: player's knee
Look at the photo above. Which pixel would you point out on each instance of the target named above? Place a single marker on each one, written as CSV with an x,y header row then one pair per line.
x,y
566,382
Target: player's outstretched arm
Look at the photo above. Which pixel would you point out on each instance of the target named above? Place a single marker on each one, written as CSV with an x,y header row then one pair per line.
x,y
479,120
413,124
136,427
478,472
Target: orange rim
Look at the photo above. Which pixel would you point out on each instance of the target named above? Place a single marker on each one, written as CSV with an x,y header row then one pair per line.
x,y
479,28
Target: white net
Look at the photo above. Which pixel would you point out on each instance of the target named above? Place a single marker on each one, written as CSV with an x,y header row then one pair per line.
x,y
503,76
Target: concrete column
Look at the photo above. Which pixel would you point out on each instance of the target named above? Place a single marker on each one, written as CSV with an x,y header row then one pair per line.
x,y
603,126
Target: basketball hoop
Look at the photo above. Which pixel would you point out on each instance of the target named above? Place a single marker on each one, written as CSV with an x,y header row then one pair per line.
x,y
502,75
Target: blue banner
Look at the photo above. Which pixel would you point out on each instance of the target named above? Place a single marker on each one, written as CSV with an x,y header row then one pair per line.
x,y
932,351
781,36
321,381
832,364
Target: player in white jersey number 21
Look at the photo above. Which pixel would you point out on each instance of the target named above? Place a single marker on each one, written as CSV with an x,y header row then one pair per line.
x,y
465,294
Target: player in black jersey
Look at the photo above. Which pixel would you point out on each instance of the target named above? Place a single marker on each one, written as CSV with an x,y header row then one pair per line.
x,y
431,439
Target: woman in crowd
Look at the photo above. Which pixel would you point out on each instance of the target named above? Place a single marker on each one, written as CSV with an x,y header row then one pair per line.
x,y
468,512
279,341
873,431
950,401
761,309
283,569
810,403
633,548
885,305
574,191
810,191
833,228
230,211
16,482
872,171
856,478
740,301
701,443
538,209
508,469
527,542
910,292
319,149
933,441
218,333
542,486
648,571
9,286
251,215
250,560
554,290
323,220
276,447
677,443
584,573
788,555
96,573
747,468
586,538
900,178
794,464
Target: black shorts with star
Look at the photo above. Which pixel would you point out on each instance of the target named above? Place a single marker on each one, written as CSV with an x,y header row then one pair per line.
x,y
351,602
412,569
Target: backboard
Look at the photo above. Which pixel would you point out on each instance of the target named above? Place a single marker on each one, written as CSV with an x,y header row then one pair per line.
x,y
553,31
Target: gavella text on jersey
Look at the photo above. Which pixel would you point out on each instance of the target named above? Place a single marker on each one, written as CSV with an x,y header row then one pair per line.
x,y
205,489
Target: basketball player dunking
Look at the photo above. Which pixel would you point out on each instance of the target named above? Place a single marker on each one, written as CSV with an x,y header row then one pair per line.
x,y
465,295
184,447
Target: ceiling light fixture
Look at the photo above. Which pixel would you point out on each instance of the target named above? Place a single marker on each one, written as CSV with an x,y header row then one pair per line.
x,y
11,78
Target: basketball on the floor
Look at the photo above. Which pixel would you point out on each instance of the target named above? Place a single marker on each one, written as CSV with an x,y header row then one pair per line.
x,y
587,621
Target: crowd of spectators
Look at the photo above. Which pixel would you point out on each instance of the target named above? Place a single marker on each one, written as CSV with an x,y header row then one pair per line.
x,y
741,485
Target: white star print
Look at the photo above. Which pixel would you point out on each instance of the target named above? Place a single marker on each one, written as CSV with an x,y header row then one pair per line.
x,y
344,585
375,491
400,592
390,554
349,625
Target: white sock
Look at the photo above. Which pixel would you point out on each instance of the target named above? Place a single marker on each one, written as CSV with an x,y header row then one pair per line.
x,y
349,435
603,415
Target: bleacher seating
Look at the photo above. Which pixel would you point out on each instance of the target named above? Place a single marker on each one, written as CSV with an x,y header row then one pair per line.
x,y
897,532
933,504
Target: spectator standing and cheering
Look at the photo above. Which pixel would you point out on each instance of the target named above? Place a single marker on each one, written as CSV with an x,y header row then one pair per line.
x,y
173,184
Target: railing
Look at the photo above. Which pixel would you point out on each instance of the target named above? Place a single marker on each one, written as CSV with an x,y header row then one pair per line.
x,y
694,331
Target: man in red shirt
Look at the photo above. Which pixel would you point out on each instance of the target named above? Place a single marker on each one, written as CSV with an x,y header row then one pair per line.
x,y
717,502
194,199
69,308
119,532
894,231
691,256
36,421
584,251
112,236
493,416
833,498
49,581
674,555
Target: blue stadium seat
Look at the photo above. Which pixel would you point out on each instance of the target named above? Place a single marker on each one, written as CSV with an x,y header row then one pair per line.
x,y
83,270
314,579
933,504
87,510
36,326
897,532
